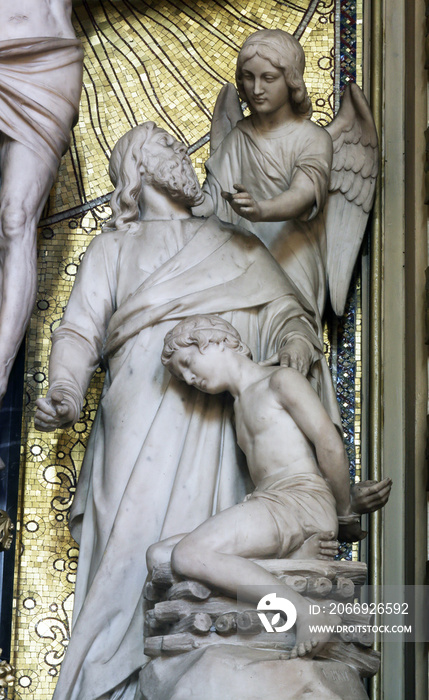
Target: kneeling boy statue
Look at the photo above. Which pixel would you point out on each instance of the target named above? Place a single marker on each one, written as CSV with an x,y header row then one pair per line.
x,y
296,460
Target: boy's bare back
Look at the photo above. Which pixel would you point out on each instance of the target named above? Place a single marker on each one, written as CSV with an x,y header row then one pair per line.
x,y
266,432
23,19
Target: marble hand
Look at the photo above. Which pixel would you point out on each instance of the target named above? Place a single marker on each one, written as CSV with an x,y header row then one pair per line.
x,y
243,203
54,411
296,354
368,496
349,529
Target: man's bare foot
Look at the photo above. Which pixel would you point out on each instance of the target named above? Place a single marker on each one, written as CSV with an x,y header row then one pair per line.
x,y
369,496
349,529
308,641
321,545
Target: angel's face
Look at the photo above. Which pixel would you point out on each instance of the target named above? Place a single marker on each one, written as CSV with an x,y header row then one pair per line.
x,y
265,86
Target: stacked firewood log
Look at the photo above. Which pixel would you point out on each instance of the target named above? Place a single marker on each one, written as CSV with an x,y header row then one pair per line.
x,y
184,615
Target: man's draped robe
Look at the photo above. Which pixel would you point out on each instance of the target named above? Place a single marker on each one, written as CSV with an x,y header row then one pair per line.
x,y
162,456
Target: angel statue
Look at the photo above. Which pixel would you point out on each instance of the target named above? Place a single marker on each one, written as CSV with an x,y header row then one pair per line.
x,y
304,190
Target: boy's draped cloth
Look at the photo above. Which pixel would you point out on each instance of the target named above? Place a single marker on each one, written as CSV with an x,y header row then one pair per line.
x,y
300,505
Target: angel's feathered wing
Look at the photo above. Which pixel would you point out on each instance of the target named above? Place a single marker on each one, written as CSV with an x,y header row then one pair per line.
x,y
352,190
226,114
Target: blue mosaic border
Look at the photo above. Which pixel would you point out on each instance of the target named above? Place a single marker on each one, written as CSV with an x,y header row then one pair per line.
x,y
348,40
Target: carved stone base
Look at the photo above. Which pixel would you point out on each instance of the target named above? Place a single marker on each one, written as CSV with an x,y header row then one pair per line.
x,y
225,672
205,646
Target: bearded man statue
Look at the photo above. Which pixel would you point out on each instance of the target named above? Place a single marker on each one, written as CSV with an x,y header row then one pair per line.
x,y
161,457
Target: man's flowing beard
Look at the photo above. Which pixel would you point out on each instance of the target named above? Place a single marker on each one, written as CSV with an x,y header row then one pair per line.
x,y
175,176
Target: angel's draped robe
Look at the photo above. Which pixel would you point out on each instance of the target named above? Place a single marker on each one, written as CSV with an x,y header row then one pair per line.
x,y
162,456
266,163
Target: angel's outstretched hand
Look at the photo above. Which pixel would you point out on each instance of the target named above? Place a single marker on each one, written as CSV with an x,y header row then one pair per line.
x,y
369,496
54,411
243,203
296,353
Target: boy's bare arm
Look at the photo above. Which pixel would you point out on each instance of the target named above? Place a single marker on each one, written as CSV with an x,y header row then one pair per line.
x,y
295,394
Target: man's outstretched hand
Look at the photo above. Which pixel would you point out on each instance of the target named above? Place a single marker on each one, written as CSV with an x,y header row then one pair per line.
x,y
54,411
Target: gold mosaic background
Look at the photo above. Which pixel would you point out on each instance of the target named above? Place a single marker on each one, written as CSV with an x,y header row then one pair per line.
x,y
158,60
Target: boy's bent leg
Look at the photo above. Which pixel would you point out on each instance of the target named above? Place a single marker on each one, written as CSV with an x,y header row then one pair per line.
x,y
218,554
219,551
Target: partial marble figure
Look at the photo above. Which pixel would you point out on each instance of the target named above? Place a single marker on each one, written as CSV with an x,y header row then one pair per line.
x,y
6,531
7,677
40,86
305,191
161,457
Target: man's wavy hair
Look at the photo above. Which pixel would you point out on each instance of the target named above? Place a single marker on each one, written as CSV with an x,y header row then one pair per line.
x,y
284,52
202,330
130,164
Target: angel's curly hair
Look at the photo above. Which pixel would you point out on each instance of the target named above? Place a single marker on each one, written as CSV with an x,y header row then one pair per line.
x,y
202,330
283,51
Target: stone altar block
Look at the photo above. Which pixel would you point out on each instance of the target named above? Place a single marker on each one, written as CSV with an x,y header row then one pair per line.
x,y
206,646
